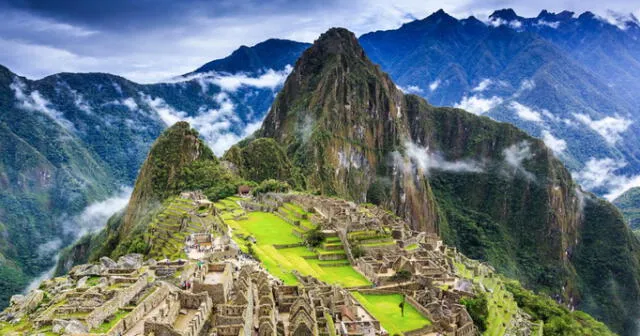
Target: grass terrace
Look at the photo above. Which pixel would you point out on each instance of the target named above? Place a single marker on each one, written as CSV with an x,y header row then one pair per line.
x,y
386,308
271,232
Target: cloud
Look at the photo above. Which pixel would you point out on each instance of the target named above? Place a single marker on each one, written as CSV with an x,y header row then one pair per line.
x,y
34,101
483,85
514,24
130,103
434,85
427,161
515,155
94,217
601,174
525,112
215,125
80,102
554,24
557,145
609,128
412,89
477,104
130,38
271,79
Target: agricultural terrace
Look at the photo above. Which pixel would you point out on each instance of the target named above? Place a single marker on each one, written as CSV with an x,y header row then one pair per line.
x,y
386,309
500,302
280,245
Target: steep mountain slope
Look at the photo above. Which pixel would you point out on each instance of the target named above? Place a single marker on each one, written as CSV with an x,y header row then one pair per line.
x,y
486,187
179,160
46,173
515,70
273,54
629,205
69,140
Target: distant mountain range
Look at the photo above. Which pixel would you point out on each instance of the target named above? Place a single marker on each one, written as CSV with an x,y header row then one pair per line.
x,y
70,140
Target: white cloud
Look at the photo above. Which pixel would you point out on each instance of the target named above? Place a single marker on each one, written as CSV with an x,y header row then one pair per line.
x,y
271,79
477,104
601,173
81,103
434,85
525,112
413,89
515,155
34,101
553,24
426,161
483,85
214,125
619,20
94,217
609,128
514,24
130,103
557,145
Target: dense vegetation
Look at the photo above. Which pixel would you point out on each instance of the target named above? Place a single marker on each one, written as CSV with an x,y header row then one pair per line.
x,y
558,320
264,159
478,310
629,204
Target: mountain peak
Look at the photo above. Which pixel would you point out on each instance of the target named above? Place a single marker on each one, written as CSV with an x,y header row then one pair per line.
x,y
506,14
338,41
551,16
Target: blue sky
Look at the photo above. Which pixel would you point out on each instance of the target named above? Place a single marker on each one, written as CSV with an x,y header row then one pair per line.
x,y
149,41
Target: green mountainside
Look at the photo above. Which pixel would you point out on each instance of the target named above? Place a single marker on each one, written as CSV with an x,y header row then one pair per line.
x,y
488,188
629,205
178,161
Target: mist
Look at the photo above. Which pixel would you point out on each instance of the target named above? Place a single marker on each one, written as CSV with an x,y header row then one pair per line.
x,y
92,219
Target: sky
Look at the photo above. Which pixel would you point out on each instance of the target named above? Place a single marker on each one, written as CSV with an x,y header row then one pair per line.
x,y
153,40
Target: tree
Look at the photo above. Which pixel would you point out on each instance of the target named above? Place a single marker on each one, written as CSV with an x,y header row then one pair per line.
x,y
478,310
315,237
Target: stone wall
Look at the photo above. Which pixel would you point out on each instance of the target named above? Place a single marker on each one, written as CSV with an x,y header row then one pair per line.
x,y
140,311
121,299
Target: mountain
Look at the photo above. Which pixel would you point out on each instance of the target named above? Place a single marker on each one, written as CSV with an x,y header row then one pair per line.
x,y
629,205
554,76
270,54
72,140
486,187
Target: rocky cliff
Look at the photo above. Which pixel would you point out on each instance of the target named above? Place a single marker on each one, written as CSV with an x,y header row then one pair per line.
x,y
487,187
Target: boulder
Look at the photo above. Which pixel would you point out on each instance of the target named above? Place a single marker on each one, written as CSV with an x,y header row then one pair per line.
x,y
32,300
16,300
108,263
58,326
85,270
75,327
133,260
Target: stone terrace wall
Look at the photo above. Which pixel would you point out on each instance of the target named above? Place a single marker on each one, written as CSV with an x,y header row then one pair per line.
x,y
138,313
120,300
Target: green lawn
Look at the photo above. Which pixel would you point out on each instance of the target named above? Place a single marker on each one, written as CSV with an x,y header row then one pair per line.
x,y
269,229
386,308
266,228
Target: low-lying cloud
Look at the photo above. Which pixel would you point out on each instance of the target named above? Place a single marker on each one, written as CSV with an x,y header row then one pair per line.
x,y
557,145
477,104
526,113
34,101
609,128
270,79
426,161
94,217
601,174
514,157
215,125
